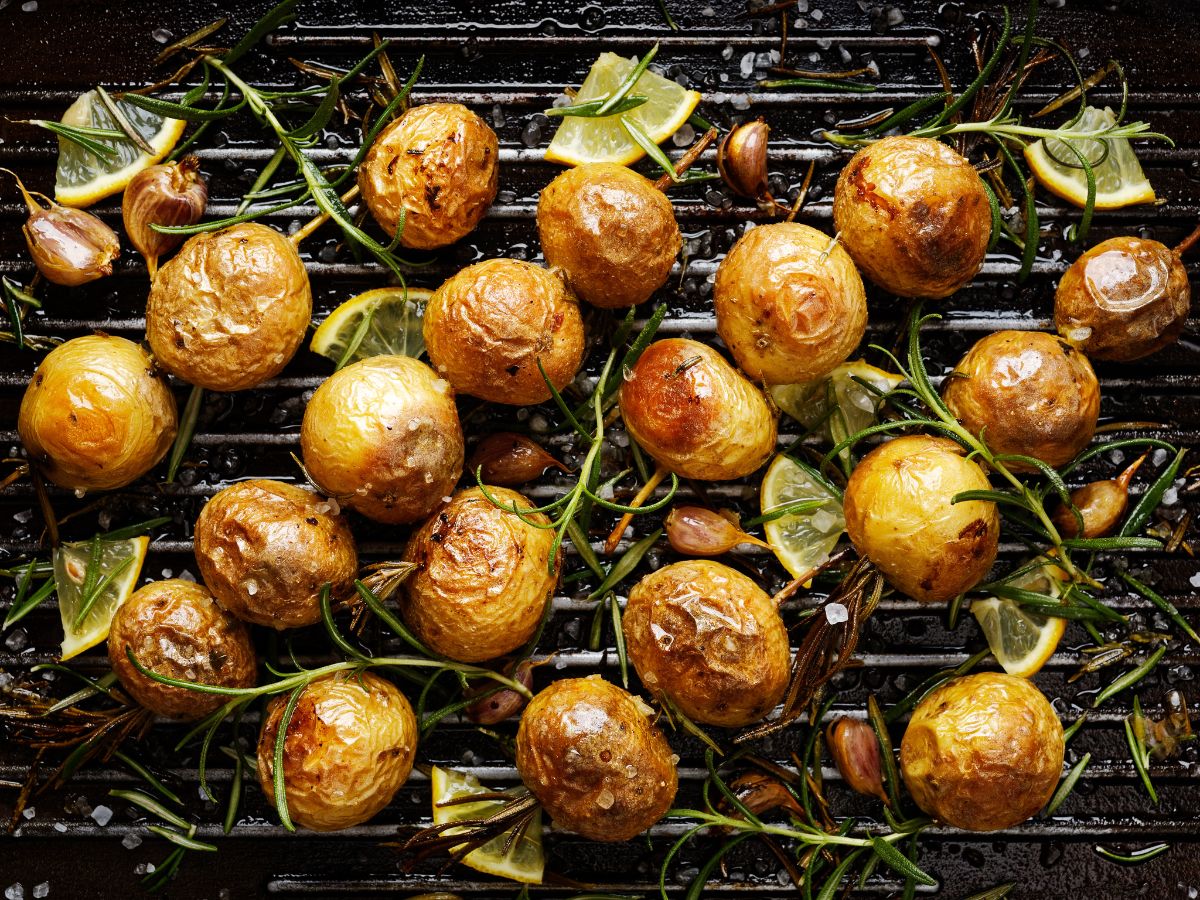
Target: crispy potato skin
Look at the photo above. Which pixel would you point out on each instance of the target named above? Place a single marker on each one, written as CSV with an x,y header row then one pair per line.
x,y
1124,299
350,746
983,752
691,410
97,414
899,515
230,309
789,307
175,628
593,759
1026,392
483,576
382,436
438,163
710,639
487,327
914,215
611,233
266,548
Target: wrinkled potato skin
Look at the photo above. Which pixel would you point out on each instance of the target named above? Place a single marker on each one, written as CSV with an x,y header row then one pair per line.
x,y
899,515
282,540
382,437
1132,293
578,742
611,233
350,746
710,639
97,414
983,752
487,327
439,163
786,313
176,628
230,309
695,414
483,576
914,215
1026,392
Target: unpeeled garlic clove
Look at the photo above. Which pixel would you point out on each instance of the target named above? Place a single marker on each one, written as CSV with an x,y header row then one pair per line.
x,y
742,160
697,531
167,194
1101,505
509,459
495,707
855,751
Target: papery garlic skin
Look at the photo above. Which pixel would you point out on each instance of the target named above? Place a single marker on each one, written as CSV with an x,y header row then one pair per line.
x,y
169,194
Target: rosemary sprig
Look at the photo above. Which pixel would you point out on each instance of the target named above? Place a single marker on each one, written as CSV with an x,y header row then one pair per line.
x,y
1136,857
1068,785
187,428
83,136
1135,737
590,109
1130,678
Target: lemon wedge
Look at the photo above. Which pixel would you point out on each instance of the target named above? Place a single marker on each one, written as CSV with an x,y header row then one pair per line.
x,y
392,326
1021,640
87,610
801,542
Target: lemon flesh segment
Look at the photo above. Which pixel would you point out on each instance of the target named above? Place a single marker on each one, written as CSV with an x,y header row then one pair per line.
x,y
801,542
70,572
1021,640
395,328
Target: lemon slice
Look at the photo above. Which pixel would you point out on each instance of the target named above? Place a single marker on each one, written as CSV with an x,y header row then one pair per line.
x,y
524,861
393,326
84,178
1021,640
801,542
1119,177
117,568
590,140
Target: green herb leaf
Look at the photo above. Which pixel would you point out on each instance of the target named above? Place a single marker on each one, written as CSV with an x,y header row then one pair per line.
x,y
899,862
1068,785
1149,501
1129,679
624,566
280,782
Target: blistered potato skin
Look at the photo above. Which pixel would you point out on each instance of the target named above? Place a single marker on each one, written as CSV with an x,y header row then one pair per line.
x,y
789,306
611,233
350,746
487,327
983,752
439,164
899,515
97,415
914,216
710,639
695,414
1125,298
589,753
482,577
266,548
230,309
1027,393
382,437
175,628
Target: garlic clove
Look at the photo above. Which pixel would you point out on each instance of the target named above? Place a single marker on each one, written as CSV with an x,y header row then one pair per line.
x,y
742,160
1101,504
855,751
509,459
697,531
166,194
493,707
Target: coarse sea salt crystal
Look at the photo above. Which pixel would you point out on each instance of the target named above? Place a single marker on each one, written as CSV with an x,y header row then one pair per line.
x,y
102,815
836,613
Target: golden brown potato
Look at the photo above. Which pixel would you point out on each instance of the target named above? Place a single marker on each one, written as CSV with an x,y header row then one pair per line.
x,y
590,754
349,747
610,231
483,576
790,304
1125,298
710,639
983,752
900,516
1027,393
97,414
438,165
914,215
266,548
230,309
382,437
691,410
487,327
175,628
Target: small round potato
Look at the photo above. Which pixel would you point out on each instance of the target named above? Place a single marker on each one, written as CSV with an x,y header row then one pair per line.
x,y
914,215
265,549
900,515
483,576
97,414
1027,393
349,747
595,761
487,327
175,628
382,437
437,166
710,639
691,410
611,233
983,752
230,310
790,304
1125,298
